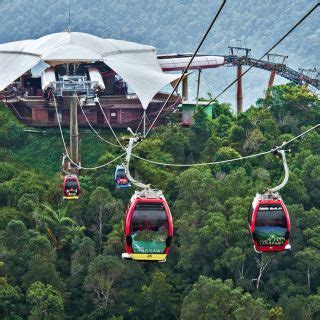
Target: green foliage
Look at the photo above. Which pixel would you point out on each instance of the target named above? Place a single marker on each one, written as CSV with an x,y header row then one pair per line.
x,y
62,259
11,302
103,272
301,307
11,132
157,299
200,132
45,302
176,142
7,171
41,264
215,299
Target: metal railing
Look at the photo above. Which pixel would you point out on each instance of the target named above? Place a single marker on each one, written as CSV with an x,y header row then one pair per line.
x,y
78,85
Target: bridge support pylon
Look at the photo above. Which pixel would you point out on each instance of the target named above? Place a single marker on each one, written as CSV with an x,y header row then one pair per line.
x,y
270,84
239,90
185,88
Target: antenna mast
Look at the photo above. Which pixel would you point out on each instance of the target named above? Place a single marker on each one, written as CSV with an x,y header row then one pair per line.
x,y
69,25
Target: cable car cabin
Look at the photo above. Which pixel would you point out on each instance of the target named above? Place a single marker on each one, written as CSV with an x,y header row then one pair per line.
x,y
148,228
269,224
71,187
120,177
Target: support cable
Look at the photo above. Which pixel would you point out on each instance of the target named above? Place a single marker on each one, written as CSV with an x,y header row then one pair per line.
x,y
174,89
229,160
93,129
183,165
66,149
252,66
107,120
206,163
62,137
189,63
139,125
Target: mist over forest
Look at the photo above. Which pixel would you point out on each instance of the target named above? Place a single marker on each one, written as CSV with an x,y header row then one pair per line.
x,y
177,26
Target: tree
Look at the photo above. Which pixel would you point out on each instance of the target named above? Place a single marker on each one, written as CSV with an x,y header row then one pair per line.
x,y
17,256
199,132
157,299
45,302
276,313
82,257
262,264
103,206
254,141
11,302
301,307
7,171
176,142
26,182
232,259
311,177
309,261
215,299
103,273
41,264
57,224
226,153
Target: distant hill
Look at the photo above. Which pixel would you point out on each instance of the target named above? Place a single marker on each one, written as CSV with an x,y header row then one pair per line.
x,y
177,26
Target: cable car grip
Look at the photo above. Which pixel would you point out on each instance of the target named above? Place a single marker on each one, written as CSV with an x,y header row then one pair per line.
x,y
127,162
286,172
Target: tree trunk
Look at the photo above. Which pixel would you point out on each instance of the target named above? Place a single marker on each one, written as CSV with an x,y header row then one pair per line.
x,y
100,230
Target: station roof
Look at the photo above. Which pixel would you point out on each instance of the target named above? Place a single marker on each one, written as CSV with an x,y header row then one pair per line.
x,y
136,63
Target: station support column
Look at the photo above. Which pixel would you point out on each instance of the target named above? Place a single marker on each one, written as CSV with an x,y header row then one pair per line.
x,y
239,90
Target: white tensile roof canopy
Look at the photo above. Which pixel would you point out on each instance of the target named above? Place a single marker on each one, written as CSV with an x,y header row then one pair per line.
x,y
136,63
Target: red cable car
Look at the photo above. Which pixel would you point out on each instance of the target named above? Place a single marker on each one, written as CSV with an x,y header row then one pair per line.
x,y
71,187
148,227
121,178
269,223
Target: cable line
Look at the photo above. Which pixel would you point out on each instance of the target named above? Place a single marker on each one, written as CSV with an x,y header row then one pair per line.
x,y
252,66
229,160
199,164
179,164
93,129
62,137
114,134
186,68
66,149
167,100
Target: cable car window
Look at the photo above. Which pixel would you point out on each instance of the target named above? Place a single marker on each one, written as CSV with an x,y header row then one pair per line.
x,y
121,173
272,216
71,184
149,228
271,225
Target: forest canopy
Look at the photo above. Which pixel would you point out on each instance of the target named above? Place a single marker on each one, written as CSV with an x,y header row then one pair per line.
x,y
62,260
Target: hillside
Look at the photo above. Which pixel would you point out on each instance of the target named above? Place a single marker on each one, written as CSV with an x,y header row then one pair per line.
x,y
62,260
177,26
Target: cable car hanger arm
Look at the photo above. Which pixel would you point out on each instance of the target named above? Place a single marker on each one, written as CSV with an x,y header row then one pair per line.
x,y
127,162
286,172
